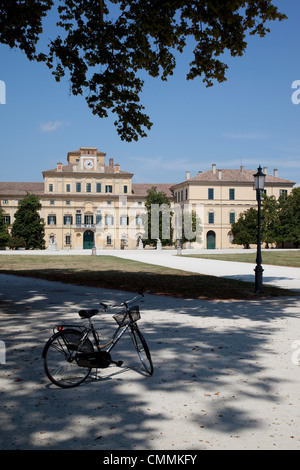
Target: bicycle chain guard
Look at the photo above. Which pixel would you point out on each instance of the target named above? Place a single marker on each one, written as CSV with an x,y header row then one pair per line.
x,y
98,359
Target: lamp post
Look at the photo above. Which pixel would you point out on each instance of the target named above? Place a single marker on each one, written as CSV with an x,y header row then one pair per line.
x,y
259,184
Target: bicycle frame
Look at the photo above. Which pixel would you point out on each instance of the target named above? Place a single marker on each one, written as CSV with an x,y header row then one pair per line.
x,y
120,331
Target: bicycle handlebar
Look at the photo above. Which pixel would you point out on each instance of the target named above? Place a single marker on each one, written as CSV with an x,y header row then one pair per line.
x,y
141,293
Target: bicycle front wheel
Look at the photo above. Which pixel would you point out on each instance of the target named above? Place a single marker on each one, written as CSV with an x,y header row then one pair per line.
x,y
59,358
142,349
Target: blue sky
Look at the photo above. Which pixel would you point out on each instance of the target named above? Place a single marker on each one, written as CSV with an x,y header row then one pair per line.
x,y
249,120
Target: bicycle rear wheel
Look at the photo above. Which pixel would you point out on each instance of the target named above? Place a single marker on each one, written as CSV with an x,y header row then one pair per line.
x,y
142,349
59,358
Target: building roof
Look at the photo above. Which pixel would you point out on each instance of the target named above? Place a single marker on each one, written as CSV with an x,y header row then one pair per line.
x,y
235,176
21,189
140,189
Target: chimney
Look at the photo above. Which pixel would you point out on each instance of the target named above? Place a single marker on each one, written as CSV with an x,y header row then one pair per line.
x,y
265,171
187,175
275,172
59,166
214,166
219,174
111,162
117,168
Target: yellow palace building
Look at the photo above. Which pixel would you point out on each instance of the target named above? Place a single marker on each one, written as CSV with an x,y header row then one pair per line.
x,y
88,203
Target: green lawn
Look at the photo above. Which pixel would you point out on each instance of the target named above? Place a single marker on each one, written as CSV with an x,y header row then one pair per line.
x,y
277,258
116,273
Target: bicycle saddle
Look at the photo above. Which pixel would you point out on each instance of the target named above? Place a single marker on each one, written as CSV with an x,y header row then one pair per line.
x,y
88,313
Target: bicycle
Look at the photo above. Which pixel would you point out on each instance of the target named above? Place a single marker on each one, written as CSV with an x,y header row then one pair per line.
x,y
69,355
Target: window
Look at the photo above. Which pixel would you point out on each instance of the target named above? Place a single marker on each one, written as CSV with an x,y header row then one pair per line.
x,y
7,219
78,219
5,201
283,192
88,219
50,188
211,217
68,220
124,220
210,193
186,193
108,188
51,219
52,202
231,194
78,187
139,220
68,240
108,240
109,220
125,189
98,219
98,187
68,188
232,218
88,187
68,203
124,240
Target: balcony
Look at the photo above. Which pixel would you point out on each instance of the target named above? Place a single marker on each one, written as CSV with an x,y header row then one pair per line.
x,y
86,226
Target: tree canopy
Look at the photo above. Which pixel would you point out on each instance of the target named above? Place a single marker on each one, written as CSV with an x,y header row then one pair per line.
x,y
105,45
158,219
4,235
244,231
28,225
280,221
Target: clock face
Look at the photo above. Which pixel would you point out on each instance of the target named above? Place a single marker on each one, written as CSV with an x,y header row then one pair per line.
x,y
88,164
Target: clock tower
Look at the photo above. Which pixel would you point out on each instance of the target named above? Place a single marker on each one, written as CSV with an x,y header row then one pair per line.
x,y
88,163
86,158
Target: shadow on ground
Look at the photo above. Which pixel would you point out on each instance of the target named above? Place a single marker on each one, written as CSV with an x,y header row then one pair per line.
x,y
209,359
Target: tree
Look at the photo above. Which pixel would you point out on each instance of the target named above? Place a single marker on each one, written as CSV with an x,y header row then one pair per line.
x,y
191,227
105,45
4,235
289,218
158,219
28,224
244,231
269,219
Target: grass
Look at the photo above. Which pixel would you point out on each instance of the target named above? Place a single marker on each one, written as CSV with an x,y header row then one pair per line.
x,y
117,273
276,258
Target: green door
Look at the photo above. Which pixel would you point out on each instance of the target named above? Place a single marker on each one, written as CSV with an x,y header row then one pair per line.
x,y
88,240
211,240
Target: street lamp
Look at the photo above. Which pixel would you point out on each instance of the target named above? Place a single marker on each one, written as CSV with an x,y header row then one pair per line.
x,y
259,184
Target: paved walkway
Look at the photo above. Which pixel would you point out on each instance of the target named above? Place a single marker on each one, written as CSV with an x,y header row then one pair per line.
x,y
226,375
279,276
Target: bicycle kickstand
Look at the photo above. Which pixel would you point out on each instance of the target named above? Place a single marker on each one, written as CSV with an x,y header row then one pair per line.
x,y
117,363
